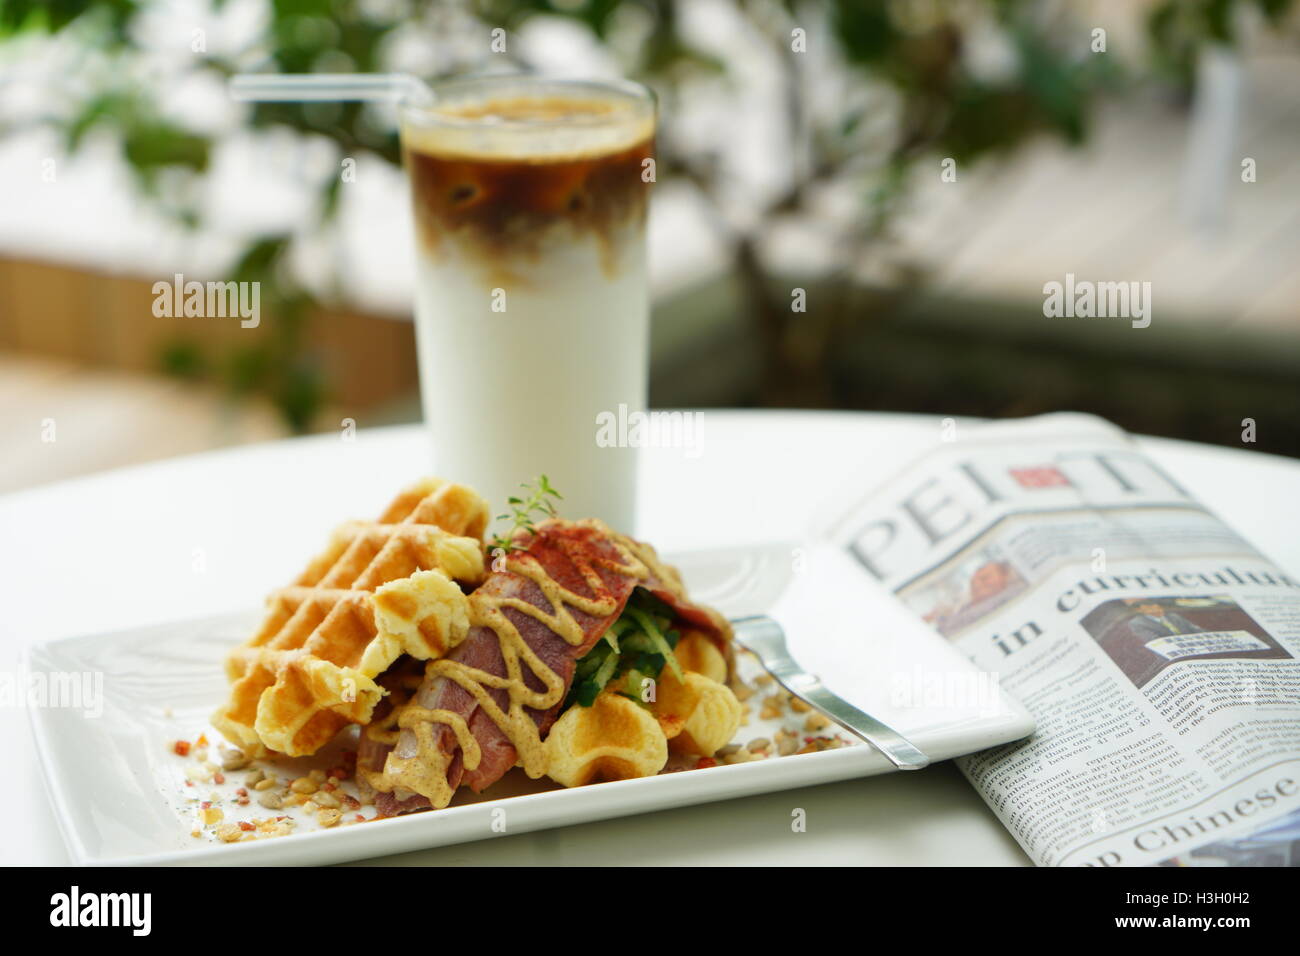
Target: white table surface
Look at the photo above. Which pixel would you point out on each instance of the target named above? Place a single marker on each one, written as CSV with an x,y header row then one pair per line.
x,y
214,532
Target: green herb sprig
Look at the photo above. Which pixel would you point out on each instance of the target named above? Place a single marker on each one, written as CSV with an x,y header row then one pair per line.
x,y
525,512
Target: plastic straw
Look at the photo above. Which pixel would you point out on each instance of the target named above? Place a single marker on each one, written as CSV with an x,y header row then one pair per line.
x,y
329,87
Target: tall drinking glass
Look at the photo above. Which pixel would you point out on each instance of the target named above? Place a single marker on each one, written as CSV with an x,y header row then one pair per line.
x,y
530,200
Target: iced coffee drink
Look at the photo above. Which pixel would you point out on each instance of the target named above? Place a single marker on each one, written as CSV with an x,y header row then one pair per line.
x,y
530,201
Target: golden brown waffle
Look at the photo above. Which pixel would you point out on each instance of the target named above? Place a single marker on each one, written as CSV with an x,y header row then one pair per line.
x,y
613,739
379,590
618,739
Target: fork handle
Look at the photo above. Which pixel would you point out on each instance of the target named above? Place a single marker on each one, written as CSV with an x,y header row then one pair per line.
x,y
764,636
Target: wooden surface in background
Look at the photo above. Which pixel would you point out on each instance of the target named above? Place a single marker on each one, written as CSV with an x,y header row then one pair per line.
x,y
1117,209
107,320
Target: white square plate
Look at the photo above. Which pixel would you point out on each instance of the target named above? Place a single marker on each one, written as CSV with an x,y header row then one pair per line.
x,y
122,796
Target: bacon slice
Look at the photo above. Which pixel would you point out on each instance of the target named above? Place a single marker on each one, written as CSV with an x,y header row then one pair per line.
x,y
586,559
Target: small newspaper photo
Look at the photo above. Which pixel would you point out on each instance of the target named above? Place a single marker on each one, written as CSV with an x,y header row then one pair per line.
x,y
1155,647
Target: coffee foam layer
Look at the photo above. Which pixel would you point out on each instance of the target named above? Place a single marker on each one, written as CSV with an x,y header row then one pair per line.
x,y
528,127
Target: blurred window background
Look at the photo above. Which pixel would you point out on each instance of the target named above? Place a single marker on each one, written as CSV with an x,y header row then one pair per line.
x,y
859,205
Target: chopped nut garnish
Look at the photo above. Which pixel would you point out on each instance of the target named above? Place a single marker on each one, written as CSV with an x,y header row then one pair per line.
x,y
816,722
233,760
328,818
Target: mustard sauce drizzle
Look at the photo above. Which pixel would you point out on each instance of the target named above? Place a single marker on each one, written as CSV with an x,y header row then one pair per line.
x,y
425,773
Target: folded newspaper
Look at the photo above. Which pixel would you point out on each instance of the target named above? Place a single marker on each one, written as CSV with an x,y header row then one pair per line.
x,y
1156,648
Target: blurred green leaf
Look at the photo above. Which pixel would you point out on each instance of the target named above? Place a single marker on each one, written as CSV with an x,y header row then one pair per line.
x,y
301,392
185,360
153,145
53,15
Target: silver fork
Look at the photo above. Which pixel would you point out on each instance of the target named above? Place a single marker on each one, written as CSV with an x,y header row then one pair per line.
x,y
764,637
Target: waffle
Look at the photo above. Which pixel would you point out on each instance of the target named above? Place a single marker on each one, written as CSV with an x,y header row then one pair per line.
x,y
617,739
698,714
380,589
697,652
613,739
